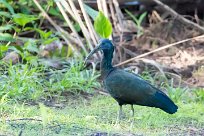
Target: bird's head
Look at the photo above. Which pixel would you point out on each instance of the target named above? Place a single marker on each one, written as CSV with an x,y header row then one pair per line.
x,y
103,45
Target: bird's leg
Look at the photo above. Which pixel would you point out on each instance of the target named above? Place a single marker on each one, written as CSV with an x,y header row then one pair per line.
x,y
119,114
132,109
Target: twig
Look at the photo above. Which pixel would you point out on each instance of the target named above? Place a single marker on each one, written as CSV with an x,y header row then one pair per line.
x,y
112,14
179,17
159,49
119,14
92,32
153,63
79,20
76,17
14,35
87,20
105,8
99,5
71,26
59,29
84,29
20,119
200,58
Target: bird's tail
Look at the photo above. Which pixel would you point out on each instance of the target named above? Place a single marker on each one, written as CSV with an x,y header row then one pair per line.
x,y
165,103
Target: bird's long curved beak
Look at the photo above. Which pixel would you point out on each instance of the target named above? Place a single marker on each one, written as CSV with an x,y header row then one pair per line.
x,y
92,52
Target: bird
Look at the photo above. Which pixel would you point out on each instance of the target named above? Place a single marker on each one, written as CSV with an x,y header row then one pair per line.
x,y
129,88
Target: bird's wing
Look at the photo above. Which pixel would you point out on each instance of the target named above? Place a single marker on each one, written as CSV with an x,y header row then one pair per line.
x,y
129,87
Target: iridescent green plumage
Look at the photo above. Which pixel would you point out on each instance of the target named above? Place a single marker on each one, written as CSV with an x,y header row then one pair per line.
x,y
129,88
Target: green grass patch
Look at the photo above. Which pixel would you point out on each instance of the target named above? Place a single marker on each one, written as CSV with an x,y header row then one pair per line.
x,y
27,82
98,116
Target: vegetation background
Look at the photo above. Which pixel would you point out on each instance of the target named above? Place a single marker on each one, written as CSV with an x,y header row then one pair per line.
x,y
45,89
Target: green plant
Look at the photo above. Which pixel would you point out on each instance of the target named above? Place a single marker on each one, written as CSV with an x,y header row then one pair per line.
x,y
138,21
177,94
102,25
21,82
73,80
17,23
23,19
199,94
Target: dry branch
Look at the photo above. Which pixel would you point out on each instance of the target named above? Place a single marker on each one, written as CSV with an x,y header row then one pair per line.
x,y
88,23
179,17
71,26
59,29
159,49
76,17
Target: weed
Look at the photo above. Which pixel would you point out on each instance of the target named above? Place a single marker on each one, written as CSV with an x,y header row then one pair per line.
x,y
26,81
21,82
199,94
138,21
73,80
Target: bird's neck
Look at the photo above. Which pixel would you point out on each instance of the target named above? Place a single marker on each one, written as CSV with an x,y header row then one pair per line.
x,y
106,64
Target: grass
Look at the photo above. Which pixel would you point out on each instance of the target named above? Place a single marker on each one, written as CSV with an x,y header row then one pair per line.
x,y
98,116
23,82
85,114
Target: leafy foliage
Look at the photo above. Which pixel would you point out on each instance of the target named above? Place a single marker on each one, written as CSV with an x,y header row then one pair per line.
x,y
21,82
8,6
138,21
23,19
102,25
73,80
26,81
92,13
6,37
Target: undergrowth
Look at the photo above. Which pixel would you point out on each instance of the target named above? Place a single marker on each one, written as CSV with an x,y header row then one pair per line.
x,y
30,82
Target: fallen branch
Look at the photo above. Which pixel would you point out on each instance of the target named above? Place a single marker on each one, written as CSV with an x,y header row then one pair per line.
x,y
159,49
179,17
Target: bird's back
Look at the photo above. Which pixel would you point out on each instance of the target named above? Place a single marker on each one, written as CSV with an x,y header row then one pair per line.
x,y
129,88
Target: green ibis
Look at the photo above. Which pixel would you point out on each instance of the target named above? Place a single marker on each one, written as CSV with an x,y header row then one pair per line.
x,y
129,88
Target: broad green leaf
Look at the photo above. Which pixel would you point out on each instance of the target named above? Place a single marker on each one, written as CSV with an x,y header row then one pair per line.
x,y
6,37
43,34
17,29
50,40
92,13
31,46
5,27
5,14
50,2
3,48
53,11
17,49
8,6
23,19
102,25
